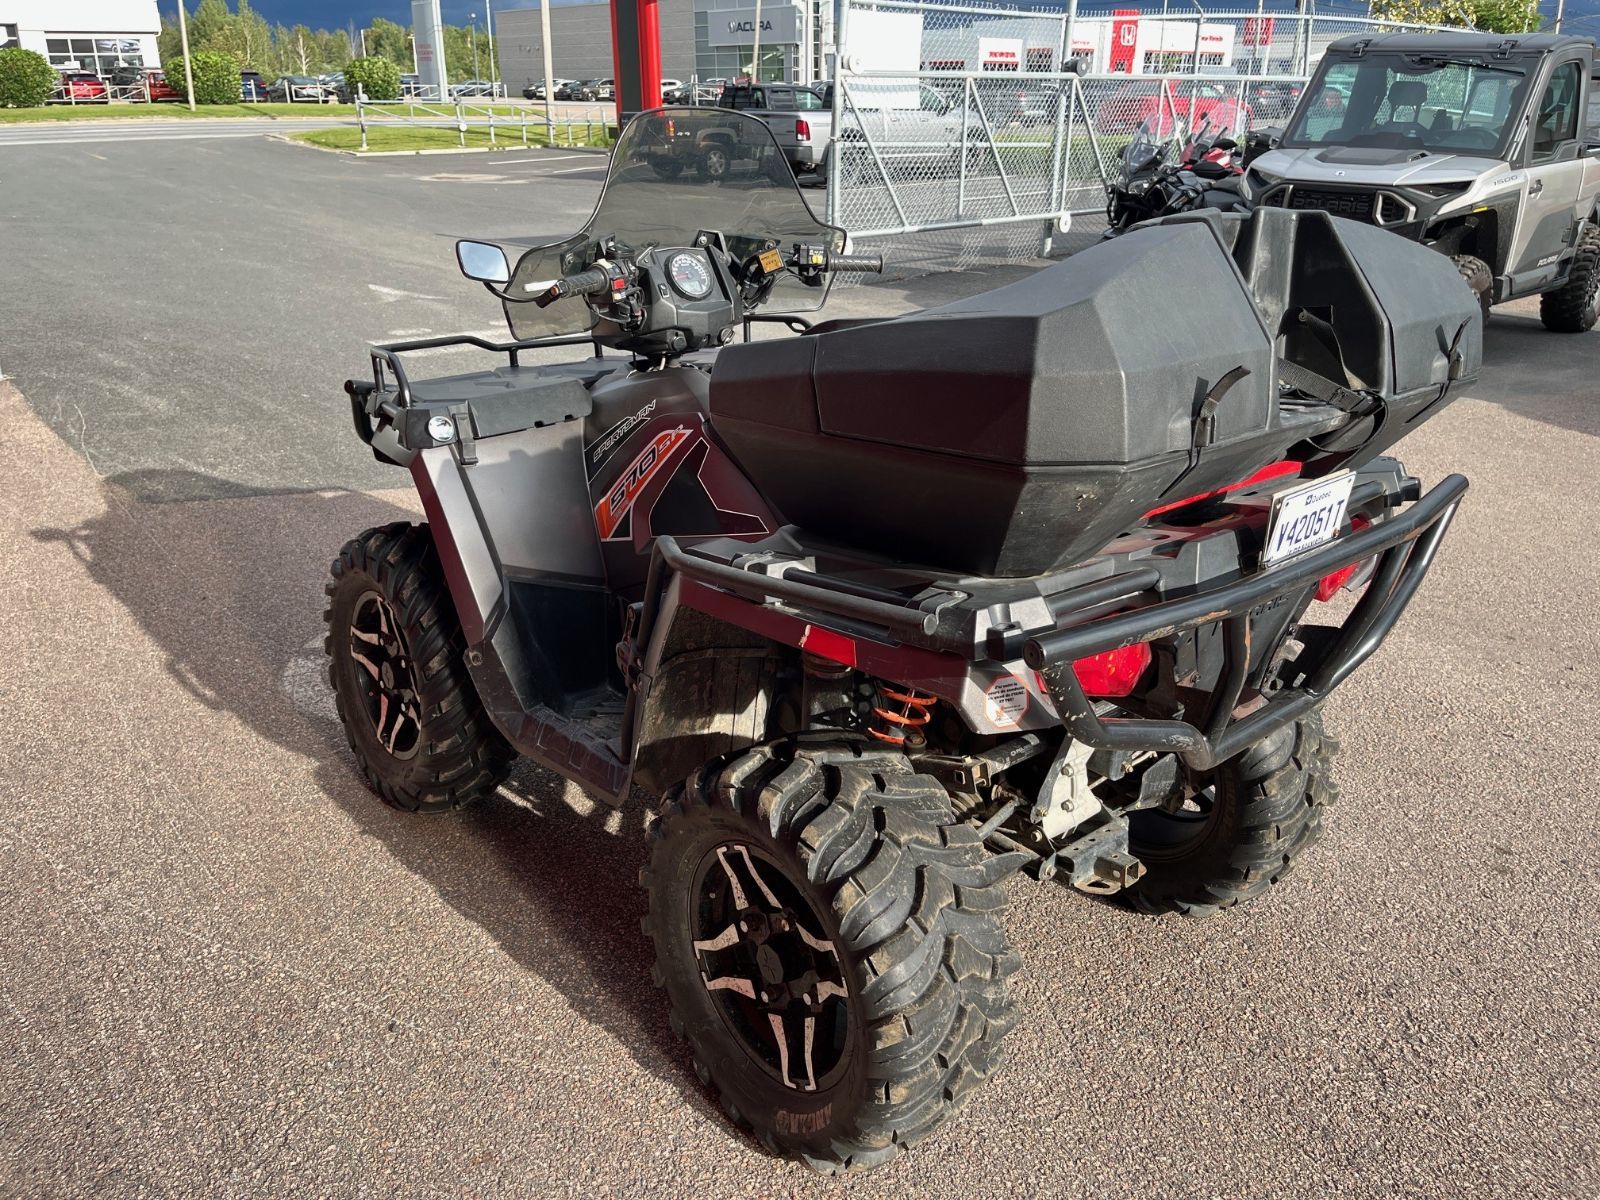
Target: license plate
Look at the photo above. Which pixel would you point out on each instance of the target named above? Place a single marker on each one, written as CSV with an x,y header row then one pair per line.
x,y
1306,517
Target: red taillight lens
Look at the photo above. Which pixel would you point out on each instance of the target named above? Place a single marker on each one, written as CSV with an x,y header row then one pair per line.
x,y
1330,586
802,129
1112,672
672,128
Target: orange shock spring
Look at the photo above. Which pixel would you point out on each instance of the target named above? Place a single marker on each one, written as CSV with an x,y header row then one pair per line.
x,y
915,709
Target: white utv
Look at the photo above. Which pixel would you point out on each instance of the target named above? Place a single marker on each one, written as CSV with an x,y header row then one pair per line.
x,y
1483,146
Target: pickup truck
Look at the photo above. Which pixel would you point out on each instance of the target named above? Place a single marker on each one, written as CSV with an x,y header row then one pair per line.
x,y
800,119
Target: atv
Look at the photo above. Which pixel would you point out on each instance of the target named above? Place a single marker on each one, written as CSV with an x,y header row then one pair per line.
x,y
886,612
1482,146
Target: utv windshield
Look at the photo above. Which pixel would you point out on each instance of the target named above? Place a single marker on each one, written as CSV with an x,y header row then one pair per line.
x,y
675,173
1412,102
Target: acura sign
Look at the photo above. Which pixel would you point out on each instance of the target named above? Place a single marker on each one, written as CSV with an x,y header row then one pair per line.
x,y
780,26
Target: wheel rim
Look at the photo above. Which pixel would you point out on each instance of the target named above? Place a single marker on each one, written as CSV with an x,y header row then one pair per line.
x,y
1172,831
771,968
382,669
716,164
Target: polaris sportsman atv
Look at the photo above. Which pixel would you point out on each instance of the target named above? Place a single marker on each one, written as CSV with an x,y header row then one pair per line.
x,y
889,610
1482,146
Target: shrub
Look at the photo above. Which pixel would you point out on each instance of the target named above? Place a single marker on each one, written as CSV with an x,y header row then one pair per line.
x,y
377,77
216,76
26,79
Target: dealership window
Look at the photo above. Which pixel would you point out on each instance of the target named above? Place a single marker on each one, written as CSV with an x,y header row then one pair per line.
x,y
100,55
8,36
1041,59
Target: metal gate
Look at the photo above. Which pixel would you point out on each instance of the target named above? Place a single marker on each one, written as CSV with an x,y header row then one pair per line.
x,y
961,134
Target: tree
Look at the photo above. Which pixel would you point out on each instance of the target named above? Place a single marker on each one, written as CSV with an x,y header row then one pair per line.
x,y
385,39
377,77
216,76
1424,12
249,38
1506,16
210,26
26,78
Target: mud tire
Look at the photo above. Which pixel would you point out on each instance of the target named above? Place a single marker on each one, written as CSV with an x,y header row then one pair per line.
x,y
459,756
1267,811
1575,305
907,893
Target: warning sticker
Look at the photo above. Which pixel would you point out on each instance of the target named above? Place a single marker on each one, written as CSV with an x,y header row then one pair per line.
x,y
771,262
1006,701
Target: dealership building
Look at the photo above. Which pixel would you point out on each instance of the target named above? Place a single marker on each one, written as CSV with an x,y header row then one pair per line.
x,y
708,39
84,35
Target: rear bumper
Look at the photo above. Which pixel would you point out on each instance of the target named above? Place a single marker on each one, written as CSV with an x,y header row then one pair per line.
x,y
1404,546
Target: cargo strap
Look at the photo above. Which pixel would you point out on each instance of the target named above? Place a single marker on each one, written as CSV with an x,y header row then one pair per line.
x,y
1204,429
1319,387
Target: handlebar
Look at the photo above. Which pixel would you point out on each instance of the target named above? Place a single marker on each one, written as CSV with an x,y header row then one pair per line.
x,y
588,282
865,263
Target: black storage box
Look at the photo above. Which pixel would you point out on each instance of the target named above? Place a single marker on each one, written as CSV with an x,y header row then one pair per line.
x,y
1023,429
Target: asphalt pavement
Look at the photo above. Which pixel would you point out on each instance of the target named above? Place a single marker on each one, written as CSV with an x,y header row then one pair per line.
x,y
228,970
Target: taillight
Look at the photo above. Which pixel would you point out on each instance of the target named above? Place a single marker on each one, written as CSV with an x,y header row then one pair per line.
x,y
1331,585
1112,672
802,130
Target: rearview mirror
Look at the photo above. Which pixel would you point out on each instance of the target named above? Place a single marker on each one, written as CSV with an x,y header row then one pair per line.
x,y
483,262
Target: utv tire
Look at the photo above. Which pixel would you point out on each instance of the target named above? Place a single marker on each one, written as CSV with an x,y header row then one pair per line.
x,y
900,908
1574,306
1477,276
410,712
1265,810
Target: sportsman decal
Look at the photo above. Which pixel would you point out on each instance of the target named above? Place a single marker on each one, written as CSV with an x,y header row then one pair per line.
x,y
614,505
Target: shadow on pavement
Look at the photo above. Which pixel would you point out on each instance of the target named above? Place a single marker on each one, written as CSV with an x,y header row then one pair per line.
x,y
231,593
1530,371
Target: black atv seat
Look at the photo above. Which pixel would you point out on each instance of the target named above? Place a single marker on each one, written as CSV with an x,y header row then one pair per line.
x,y
508,399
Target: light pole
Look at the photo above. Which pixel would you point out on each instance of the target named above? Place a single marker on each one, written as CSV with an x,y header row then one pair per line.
x,y
473,26
188,71
494,67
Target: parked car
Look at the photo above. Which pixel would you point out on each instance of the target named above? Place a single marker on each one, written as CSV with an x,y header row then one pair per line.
x,y
473,87
1186,100
138,84
605,89
83,87
411,86
535,91
579,89
252,87
298,89
1272,99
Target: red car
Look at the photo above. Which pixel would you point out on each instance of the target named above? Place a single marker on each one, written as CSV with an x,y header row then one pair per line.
x,y
1134,103
160,89
80,87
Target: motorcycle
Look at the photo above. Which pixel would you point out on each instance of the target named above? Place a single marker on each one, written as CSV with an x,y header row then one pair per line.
x,y
886,611
1162,174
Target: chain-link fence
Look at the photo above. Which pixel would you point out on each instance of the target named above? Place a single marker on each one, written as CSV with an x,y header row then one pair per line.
x,y
963,134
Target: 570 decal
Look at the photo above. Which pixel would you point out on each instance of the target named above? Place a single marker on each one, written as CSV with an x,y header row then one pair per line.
x,y
614,505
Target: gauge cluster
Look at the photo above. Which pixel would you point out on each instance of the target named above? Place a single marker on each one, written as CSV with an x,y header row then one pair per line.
x,y
690,301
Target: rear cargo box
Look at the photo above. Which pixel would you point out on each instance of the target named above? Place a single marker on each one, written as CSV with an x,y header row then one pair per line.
x,y
1022,429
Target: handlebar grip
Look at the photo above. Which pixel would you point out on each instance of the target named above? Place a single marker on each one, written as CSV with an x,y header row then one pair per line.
x,y
870,263
591,280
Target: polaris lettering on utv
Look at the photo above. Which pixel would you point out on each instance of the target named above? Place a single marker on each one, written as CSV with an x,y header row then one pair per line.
x,y
1482,146
888,611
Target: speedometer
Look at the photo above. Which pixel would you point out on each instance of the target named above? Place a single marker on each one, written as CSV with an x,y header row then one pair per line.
x,y
690,274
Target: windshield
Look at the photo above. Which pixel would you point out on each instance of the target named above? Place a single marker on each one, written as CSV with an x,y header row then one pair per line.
x,y
1405,102
1151,146
676,172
